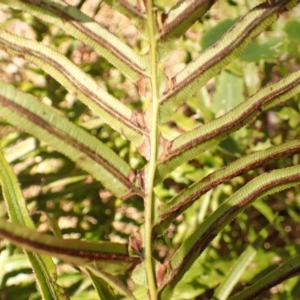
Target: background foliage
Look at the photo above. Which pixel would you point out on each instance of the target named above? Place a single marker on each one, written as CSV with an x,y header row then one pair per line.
x,y
84,209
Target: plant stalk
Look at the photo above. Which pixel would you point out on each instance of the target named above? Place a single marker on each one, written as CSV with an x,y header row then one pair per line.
x,y
150,196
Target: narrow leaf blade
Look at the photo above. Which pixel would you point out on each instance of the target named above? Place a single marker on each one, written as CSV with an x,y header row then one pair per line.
x,y
25,112
42,265
97,274
239,266
112,111
178,204
181,16
112,257
189,145
287,270
259,187
216,57
85,29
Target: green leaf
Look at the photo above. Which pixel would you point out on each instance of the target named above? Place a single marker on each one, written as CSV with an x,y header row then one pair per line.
x,y
256,51
4,255
288,269
19,149
189,251
291,115
239,266
43,266
213,34
178,204
26,112
111,110
133,10
103,290
188,145
229,92
100,280
113,257
181,16
216,57
85,29
292,29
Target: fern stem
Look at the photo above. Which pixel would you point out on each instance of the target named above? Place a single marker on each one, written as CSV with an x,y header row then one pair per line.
x,y
150,196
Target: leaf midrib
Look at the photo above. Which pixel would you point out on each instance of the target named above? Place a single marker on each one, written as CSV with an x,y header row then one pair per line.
x,y
216,58
90,34
247,113
68,139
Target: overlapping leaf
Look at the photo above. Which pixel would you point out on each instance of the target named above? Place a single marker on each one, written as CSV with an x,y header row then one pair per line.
x,y
85,29
216,57
113,257
26,112
134,10
239,266
266,184
42,265
188,145
182,16
288,269
167,213
112,111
